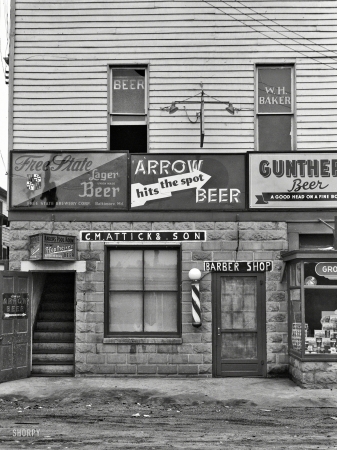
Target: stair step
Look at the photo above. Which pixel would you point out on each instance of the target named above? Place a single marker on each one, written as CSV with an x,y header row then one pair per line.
x,y
48,336
57,306
53,358
56,315
53,347
52,369
54,326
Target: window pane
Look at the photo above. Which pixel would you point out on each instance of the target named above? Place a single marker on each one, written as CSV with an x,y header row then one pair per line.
x,y
128,137
321,317
126,270
275,133
126,312
161,270
239,345
128,91
160,311
274,90
296,319
238,303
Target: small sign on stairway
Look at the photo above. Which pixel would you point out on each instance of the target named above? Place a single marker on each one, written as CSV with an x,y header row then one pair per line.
x,y
14,306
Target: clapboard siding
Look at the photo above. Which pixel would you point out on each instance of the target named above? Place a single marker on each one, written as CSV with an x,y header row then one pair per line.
x,y
62,49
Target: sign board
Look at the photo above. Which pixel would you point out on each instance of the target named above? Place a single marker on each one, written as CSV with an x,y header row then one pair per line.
x,y
274,90
327,270
52,247
292,180
68,181
143,236
14,306
128,91
238,266
187,182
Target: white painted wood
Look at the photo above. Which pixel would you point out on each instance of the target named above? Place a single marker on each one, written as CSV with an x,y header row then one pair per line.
x,y
62,50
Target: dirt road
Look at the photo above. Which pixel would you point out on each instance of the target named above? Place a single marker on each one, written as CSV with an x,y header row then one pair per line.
x,y
132,419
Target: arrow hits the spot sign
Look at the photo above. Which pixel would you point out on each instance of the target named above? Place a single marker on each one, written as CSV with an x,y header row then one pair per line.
x,y
140,194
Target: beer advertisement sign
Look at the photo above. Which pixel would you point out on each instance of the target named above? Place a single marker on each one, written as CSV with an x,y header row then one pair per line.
x,y
69,181
292,180
187,182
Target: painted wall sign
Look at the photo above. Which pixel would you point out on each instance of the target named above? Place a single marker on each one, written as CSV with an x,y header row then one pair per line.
x,y
292,180
14,306
327,270
238,266
52,247
68,181
187,182
274,93
143,236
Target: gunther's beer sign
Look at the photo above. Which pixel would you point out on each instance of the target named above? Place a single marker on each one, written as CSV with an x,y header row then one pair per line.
x,y
187,182
292,180
69,180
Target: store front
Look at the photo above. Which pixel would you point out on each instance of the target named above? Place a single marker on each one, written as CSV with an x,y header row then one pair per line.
x,y
128,229
312,293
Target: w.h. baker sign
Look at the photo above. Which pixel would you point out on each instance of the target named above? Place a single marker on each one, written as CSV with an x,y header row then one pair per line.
x,y
292,180
187,182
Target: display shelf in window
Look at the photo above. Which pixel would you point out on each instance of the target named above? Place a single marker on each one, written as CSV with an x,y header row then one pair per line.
x,y
312,304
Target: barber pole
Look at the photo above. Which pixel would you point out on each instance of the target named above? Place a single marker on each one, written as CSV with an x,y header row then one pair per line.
x,y
195,276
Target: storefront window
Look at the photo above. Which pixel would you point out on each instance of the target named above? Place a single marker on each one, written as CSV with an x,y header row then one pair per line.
x,y
143,292
313,308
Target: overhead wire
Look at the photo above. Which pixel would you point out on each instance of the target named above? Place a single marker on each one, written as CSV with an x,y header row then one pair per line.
x,y
290,31
263,33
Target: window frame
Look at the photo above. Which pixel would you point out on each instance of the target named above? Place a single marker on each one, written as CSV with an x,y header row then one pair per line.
x,y
292,114
136,66
300,258
111,68
127,334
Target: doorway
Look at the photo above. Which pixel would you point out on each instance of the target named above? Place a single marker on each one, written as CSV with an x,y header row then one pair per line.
x,y
239,331
54,329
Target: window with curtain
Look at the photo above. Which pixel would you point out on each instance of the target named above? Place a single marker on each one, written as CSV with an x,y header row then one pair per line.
x,y
143,294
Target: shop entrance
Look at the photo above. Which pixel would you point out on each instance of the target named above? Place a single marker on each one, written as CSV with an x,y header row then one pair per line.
x,y
239,334
53,329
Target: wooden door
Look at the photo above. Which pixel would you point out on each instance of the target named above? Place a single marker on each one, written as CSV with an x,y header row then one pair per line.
x,y
239,319
15,326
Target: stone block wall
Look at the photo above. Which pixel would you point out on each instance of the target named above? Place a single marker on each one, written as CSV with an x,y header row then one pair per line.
x,y
190,354
313,375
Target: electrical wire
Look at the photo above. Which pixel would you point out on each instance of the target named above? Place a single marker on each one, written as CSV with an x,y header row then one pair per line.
x,y
290,31
263,33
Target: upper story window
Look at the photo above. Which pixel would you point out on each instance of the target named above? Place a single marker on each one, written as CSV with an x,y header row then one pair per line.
x,y
128,109
275,108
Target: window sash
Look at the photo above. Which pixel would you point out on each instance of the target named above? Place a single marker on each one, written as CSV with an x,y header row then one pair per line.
x,y
274,102
156,308
131,108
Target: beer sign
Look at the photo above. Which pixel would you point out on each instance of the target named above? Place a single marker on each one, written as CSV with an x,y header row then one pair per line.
x,y
52,247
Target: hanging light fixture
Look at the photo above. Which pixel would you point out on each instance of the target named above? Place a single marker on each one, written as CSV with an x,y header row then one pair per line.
x,y
173,108
230,109
200,115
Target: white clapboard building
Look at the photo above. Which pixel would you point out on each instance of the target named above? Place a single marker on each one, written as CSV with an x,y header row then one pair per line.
x,y
173,189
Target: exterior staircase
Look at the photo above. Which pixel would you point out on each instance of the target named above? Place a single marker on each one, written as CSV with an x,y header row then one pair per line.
x,y
53,335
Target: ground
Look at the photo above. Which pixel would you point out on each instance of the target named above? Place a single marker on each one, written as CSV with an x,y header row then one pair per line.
x,y
138,419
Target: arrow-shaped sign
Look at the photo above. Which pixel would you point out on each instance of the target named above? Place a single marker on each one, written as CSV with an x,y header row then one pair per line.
x,y
6,315
140,194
